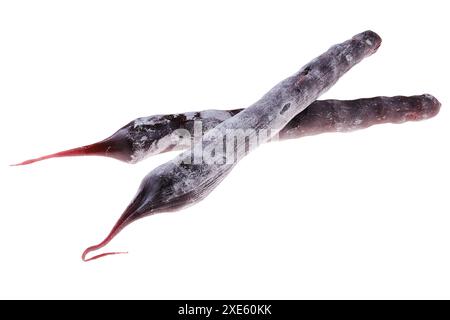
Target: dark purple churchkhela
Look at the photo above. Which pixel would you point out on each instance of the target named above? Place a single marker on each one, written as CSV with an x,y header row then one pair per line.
x,y
348,115
180,183
152,135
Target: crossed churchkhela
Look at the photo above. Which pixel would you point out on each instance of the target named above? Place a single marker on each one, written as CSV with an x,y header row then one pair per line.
x,y
289,110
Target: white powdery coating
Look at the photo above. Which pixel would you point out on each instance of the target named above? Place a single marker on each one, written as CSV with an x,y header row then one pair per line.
x,y
190,116
138,155
215,114
145,129
157,146
150,121
357,122
273,111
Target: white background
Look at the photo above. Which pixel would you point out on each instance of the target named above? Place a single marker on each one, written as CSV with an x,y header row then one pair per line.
x,y
357,215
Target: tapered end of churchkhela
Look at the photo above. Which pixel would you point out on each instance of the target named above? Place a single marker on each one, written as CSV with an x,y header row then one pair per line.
x,y
117,146
120,224
116,229
141,206
155,195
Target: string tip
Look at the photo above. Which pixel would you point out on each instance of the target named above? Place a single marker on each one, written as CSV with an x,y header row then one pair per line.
x,y
83,257
20,164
